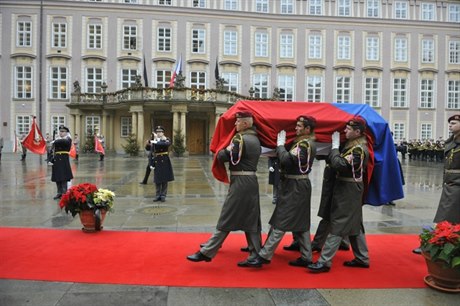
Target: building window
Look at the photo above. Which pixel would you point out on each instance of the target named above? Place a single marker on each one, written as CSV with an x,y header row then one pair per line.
x,y
165,2
427,11
261,48
344,8
131,1
23,124
427,51
453,94
314,88
94,36
198,79
315,7
286,87
454,52
128,78
400,10
426,93
24,34
163,77
343,89
198,41
199,3
164,40
426,131
23,82
59,35
454,13
372,92
231,81
92,123
286,7
130,37
56,121
399,131
93,80
231,5
286,46
344,48
315,47
373,8
260,86
262,6
399,92
230,42
400,49
372,49
58,83
126,126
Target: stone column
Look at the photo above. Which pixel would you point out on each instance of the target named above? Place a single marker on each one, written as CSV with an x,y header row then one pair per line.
x,y
175,125
78,125
140,127
134,122
183,126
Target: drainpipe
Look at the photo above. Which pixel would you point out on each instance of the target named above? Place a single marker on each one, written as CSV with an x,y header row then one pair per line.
x,y
40,68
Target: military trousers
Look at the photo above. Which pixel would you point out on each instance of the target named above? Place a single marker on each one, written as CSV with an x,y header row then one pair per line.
x,y
214,243
274,239
331,246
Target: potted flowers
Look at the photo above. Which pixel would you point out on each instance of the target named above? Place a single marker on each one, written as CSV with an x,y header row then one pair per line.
x,y
441,249
90,202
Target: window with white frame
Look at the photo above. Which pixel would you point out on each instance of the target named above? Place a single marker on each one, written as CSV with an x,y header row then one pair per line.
x,y
314,88
454,52
128,78
94,36
198,41
315,49
427,51
453,94
231,5
164,39
286,7
400,49
400,91
426,131
261,47
372,92
260,85
286,45
165,2
231,81
344,47
23,124
343,89
131,1
129,37
198,79
93,80
426,93
373,8
262,6
126,126
286,87
454,12
92,123
59,35
401,10
23,77
24,34
56,121
162,78
199,3
427,11
399,131
344,8
372,49
58,83
230,43
315,7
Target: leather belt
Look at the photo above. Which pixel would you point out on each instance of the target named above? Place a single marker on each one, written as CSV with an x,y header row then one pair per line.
x,y
61,152
349,179
453,171
242,173
296,176
161,153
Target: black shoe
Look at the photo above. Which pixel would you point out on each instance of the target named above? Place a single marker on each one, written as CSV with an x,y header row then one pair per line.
x,y
318,267
355,264
300,262
274,201
157,199
246,249
198,256
254,263
344,247
162,199
316,249
293,247
391,203
58,196
417,251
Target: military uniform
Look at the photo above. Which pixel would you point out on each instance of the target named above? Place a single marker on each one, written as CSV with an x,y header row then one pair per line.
x,y
163,172
61,171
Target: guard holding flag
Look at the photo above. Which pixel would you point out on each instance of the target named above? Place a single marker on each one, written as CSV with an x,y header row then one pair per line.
x,y
61,171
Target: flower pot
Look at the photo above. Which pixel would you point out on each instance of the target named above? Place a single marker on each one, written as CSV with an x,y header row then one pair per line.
x,y
440,276
91,221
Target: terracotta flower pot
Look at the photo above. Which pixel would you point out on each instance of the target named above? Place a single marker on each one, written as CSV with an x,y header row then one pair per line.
x,y
92,222
441,277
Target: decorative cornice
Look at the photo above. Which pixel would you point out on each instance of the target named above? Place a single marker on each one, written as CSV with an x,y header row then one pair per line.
x,y
286,65
318,66
372,68
198,61
453,71
14,55
163,59
255,64
129,58
230,63
400,69
428,70
337,67
90,56
58,55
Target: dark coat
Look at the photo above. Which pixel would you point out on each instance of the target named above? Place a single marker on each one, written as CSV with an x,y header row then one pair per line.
x,y
61,171
325,204
163,168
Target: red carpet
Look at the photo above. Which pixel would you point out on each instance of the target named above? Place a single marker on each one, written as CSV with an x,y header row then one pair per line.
x,y
150,258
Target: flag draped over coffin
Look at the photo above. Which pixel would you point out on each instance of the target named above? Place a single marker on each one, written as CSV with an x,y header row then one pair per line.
x,y
34,141
385,181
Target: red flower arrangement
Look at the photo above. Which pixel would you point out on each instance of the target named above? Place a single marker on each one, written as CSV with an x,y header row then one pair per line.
x,y
442,243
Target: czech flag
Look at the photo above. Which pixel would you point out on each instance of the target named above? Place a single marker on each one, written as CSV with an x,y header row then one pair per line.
x,y
385,180
176,72
34,141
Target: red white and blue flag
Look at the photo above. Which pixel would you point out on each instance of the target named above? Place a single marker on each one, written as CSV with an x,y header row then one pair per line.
x,y
176,71
384,176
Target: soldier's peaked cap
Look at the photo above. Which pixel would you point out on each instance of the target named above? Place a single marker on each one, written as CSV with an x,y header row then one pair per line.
x,y
160,129
454,117
243,114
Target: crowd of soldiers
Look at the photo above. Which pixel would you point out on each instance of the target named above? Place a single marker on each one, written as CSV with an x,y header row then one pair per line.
x,y
427,150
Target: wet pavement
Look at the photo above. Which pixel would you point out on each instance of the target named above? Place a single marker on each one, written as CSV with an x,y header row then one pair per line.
x,y
193,205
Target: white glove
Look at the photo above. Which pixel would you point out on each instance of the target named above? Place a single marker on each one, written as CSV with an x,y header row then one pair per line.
x,y
335,140
271,169
152,168
281,140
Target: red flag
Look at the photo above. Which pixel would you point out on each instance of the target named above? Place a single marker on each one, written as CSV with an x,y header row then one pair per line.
x,y
73,151
34,141
98,146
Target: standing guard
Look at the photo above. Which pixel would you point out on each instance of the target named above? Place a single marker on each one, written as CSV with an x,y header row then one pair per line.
x,y
160,163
